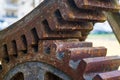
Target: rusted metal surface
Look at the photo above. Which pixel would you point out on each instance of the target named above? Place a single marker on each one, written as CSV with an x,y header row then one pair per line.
x,y
109,5
113,75
48,43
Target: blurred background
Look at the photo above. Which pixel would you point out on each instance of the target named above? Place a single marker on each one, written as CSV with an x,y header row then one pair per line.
x,y
13,10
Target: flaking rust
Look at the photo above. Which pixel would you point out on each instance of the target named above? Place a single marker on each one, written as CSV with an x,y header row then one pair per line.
x,y
48,43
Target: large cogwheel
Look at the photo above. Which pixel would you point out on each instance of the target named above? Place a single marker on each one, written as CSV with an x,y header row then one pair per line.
x,y
48,43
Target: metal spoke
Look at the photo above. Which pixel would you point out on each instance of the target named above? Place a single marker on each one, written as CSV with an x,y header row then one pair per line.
x,y
35,71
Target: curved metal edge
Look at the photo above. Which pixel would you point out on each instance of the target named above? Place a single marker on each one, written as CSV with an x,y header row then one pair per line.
x,y
39,67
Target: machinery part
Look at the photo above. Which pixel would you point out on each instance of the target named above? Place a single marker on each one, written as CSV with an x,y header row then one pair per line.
x,y
114,75
40,46
114,19
41,71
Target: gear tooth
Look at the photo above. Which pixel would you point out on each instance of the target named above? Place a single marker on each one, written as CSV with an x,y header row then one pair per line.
x,y
113,75
85,52
81,68
21,43
88,67
49,34
71,13
62,25
104,64
29,38
39,30
34,36
52,20
101,5
73,44
12,49
62,48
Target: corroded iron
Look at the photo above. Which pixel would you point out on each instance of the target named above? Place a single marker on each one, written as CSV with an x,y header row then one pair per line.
x,y
113,75
48,43
108,5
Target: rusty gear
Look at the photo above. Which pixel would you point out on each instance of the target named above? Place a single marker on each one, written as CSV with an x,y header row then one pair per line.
x,y
48,43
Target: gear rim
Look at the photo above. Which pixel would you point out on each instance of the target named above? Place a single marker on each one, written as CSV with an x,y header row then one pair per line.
x,y
27,67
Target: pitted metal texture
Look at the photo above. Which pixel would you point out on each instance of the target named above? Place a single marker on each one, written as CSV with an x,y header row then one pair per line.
x,y
52,39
